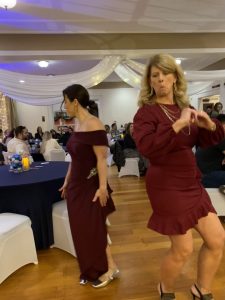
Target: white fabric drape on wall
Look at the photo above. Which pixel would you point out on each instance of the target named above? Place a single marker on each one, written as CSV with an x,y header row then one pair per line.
x,y
128,75
44,90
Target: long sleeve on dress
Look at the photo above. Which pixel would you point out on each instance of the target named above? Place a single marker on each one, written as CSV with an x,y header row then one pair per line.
x,y
153,139
208,138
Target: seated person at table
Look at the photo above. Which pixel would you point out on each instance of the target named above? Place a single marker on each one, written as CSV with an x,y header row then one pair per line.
x,y
115,132
19,144
9,134
109,136
130,149
48,144
217,110
1,135
211,162
209,110
39,134
2,148
55,135
65,136
30,136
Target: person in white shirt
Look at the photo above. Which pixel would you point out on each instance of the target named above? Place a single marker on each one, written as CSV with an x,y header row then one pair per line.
x,y
48,144
18,144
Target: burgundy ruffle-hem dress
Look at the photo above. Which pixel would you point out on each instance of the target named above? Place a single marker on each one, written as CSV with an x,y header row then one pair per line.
x,y
173,180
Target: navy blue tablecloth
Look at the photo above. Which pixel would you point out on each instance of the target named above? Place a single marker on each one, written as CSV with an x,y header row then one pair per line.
x,y
32,193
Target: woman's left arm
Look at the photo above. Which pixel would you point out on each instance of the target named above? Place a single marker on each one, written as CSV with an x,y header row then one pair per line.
x,y
102,192
211,131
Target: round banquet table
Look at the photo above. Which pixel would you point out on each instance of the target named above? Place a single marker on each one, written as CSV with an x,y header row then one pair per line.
x,y
32,193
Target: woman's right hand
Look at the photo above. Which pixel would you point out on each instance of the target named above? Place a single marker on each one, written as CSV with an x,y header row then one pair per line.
x,y
63,190
188,116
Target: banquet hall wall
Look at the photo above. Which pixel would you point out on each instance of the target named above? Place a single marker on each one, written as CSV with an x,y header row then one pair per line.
x,y
114,105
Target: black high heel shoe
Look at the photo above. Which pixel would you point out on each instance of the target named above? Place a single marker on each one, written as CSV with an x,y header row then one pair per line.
x,y
201,296
165,296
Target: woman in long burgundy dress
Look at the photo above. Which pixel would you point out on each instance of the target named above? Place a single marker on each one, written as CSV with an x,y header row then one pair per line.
x,y
166,129
87,192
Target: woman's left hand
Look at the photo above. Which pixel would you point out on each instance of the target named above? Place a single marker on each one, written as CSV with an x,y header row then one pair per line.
x,y
102,195
204,121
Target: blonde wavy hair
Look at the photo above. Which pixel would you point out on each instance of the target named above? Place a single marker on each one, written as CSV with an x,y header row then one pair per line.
x,y
167,64
46,136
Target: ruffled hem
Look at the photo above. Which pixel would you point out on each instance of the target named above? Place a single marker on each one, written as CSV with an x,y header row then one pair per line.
x,y
172,225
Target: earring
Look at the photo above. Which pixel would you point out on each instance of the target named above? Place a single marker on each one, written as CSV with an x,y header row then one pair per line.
x,y
151,91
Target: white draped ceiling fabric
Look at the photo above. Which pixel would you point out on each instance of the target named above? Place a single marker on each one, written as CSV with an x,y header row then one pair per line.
x,y
45,90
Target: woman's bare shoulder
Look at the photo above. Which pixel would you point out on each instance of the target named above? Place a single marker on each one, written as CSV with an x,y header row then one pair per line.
x,y
94,124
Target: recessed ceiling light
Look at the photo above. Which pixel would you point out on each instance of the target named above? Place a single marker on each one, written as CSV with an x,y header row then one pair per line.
x,y
22,81
178,61
43,64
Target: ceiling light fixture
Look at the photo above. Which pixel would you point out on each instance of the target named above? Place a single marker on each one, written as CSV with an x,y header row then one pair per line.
x,y
7,3
178,61
43,64
22,81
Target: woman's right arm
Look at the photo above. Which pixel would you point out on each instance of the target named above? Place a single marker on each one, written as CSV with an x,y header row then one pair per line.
x,y
63,188
153,138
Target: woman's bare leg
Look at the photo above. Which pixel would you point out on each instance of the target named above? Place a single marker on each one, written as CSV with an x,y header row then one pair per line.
x,y
211,252
173,262
112,272
111,263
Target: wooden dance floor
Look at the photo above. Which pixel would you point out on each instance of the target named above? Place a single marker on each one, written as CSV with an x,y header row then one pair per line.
x,y
136,249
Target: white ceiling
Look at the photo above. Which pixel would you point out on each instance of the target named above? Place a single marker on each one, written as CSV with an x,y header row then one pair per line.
x,y
105,16
108,16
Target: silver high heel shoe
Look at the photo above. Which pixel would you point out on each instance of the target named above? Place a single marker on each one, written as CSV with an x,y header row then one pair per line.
x,y
99,283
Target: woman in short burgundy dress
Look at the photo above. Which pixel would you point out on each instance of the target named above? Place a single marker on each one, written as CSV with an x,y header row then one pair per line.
x,y
166,129
87,192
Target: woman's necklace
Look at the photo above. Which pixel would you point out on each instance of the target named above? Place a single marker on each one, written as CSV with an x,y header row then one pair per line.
x,y
171,115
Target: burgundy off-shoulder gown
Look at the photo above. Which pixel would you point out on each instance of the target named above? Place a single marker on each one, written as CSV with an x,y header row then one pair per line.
x,y
87,218
173,180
